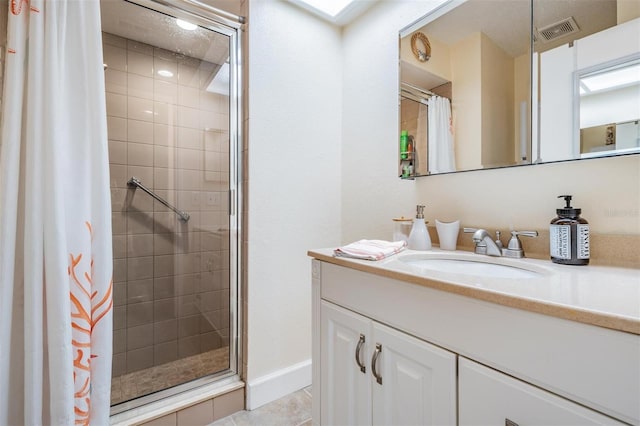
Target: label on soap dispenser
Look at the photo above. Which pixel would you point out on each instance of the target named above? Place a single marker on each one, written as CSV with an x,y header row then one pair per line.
x,y
560,241
583,241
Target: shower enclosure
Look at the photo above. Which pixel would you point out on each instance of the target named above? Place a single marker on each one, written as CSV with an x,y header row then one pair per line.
x,y
172,91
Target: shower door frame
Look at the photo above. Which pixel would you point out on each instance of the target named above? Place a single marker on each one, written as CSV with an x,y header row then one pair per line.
x,y
230,25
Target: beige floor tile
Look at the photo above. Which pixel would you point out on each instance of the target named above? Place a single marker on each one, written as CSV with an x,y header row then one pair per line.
x,y
291,410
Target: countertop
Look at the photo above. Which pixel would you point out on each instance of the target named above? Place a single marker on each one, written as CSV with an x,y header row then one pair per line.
x,y
598,295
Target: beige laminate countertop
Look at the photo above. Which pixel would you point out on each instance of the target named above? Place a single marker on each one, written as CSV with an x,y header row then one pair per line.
x,y
598,295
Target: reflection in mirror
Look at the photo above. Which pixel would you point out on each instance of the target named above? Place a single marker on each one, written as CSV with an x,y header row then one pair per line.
x,y
483,49
582,45
479,70
609,109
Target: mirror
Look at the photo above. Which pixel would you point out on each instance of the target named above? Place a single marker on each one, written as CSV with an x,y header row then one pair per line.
x,y
481,58
609,109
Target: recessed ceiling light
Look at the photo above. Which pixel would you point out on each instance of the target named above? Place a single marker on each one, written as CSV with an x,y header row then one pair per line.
x,y
165,73
186,25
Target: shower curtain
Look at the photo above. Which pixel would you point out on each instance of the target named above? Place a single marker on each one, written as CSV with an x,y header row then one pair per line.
x,y
441,155
55,218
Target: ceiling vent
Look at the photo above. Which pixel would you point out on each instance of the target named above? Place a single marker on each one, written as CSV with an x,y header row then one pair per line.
x,y
559,29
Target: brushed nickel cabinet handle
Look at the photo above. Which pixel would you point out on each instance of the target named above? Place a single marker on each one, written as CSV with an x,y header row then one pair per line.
x,y
363,369
374,361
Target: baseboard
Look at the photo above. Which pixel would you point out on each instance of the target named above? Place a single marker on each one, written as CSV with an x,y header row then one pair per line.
x,y
273,386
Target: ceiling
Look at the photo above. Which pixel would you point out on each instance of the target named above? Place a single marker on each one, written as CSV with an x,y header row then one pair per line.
x,y
507,22
135,22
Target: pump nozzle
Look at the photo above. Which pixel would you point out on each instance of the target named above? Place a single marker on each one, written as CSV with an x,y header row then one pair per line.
x,y
567,199
419,211
568,211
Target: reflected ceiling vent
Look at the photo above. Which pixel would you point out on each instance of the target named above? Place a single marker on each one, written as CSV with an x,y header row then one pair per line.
x,y
559,29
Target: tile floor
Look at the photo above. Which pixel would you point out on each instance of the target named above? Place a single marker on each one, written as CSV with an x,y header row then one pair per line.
x,y
144,382
291,410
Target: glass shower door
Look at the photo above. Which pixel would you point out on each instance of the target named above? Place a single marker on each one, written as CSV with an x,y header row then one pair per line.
x,y
171,90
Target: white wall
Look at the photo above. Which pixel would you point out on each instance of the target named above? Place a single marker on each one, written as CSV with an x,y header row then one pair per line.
x,y
294,180
607,189
372,194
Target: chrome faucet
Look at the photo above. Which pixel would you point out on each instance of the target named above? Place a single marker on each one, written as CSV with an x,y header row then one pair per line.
x,y
486,245
482,238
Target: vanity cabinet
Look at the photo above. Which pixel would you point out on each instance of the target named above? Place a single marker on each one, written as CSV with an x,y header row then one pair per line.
x,y
488,397
449,359
373,374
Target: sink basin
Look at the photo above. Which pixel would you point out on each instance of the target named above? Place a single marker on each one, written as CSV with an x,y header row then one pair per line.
x,y
461,264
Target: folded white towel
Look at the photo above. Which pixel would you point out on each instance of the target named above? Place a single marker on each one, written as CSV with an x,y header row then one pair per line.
x,y
370,249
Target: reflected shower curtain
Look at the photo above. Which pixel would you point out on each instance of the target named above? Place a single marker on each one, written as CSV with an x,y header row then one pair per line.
x,y
441,155
55,220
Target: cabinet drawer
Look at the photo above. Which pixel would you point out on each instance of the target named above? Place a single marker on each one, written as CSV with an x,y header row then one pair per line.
x,y
488,397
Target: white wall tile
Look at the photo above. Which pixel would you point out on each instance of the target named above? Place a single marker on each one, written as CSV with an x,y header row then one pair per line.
x,y
115,81
163,178
115,57
189,180
118,175
139,86
210,101
188,75
188,96
165,113
140,109
164,156
164,135
209,120
116,105
139,63
117,152
164,91
162,64
188,117
117,128
140,131
139,154
190,159
190,138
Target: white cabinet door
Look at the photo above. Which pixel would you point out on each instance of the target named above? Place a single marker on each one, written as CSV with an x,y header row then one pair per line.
x,y
488,397
345,388
418,380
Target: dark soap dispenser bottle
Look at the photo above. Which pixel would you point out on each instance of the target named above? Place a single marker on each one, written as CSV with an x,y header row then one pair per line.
x,y
569,236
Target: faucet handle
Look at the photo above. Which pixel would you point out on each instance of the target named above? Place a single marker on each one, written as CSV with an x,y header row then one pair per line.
x,y
514,242
525,233
469,230
514,249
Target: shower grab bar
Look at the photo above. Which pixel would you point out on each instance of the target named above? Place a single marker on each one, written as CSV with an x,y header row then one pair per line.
x,y
135,182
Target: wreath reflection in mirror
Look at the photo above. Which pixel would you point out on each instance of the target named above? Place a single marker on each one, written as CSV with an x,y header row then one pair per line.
x,y
421,55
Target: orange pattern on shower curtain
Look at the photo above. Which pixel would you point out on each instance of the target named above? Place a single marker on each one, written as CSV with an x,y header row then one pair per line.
x,y
88,308
16,6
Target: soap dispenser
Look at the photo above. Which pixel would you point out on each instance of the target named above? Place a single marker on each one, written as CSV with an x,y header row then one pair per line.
x,y
419,238
569,236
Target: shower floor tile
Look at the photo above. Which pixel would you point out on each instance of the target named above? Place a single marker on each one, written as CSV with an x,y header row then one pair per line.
x,y
143,382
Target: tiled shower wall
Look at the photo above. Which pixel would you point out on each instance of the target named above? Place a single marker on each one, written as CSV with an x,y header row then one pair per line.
x,y
171,279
